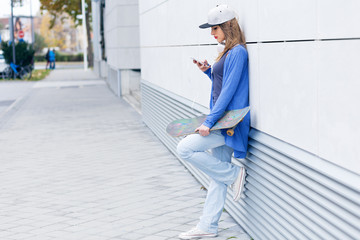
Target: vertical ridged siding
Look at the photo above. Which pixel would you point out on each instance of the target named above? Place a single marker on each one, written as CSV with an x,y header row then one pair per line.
x,y
290,193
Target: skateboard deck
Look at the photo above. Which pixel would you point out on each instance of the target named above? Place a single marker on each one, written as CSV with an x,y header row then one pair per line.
x,y
230,120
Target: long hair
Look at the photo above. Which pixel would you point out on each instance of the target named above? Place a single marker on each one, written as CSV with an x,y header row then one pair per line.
x,y
233,36
17,20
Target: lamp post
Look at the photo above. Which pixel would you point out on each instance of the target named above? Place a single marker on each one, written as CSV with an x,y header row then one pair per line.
x,y
12,31
85,35
32,25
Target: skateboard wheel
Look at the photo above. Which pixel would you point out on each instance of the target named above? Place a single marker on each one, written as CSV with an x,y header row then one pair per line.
x,y
230,132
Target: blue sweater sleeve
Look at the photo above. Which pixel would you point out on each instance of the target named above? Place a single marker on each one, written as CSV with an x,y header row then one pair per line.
x,y
208,73
233,68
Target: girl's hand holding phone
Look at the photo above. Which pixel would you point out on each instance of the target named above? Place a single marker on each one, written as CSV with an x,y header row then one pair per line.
x,y
203,66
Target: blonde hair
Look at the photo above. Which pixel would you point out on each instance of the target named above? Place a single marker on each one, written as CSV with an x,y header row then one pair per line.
x,y
233,36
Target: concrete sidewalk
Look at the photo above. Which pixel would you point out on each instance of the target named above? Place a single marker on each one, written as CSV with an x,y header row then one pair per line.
x,y
78,163
10,91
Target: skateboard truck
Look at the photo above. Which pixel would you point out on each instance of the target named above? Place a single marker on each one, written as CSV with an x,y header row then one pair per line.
x,y
230,132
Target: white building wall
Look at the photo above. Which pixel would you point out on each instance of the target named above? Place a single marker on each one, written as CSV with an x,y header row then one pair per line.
x,y
122,45
122,34
304,58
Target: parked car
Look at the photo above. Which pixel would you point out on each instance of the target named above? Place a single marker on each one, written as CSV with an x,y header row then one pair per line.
x,y
3,65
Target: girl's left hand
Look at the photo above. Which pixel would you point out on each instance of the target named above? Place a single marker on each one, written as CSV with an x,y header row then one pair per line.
x,y
203,66
203,130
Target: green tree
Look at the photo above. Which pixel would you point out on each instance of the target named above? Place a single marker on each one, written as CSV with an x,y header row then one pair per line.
x,y
56,8
39,44
24,53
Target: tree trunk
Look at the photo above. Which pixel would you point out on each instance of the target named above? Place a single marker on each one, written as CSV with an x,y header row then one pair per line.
x,y
88,33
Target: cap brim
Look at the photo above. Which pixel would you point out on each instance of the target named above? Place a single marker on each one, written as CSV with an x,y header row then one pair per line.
x,y
206,25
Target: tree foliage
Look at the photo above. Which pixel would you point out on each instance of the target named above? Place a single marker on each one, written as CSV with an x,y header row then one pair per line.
x,y
54,37
24,53
56,8
72,8
39,44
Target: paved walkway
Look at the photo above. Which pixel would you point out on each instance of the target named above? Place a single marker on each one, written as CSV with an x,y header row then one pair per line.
x,y
10,91
60,65
78,163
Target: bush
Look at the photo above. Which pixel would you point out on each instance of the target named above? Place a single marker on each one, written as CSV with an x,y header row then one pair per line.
x,y
39,58
24,53
62,57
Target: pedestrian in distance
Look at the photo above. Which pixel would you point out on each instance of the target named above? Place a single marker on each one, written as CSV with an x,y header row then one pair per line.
x,y
230,90
47,58
52,59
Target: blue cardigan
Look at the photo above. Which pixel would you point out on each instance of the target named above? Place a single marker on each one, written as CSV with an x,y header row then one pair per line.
x,y
234,95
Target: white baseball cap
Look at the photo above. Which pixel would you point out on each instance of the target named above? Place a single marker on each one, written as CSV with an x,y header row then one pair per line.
x,y
218,15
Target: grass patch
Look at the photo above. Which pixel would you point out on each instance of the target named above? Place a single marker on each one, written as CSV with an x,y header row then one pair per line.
x,y
36,75
39,74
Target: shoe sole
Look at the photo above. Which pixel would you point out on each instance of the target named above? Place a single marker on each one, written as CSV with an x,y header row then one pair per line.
x,y
198,237
241,186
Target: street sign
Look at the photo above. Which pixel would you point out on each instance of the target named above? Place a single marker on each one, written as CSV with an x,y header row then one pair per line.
x,y
21,34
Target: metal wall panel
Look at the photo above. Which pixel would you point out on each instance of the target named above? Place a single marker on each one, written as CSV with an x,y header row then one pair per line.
x,y
113,81
290,193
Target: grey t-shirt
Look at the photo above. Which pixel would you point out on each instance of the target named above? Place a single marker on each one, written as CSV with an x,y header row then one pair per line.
x,y
217,72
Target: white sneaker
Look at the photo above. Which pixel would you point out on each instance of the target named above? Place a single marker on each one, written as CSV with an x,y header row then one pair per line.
x,y
196,233
239,183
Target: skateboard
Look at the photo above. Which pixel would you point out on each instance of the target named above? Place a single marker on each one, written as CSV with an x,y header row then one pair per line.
x,y
230,120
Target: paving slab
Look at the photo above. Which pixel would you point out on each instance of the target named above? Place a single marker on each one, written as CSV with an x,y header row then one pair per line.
x,y
10,92
78,163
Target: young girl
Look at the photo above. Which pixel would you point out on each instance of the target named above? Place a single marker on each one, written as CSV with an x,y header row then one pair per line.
x,y
230,90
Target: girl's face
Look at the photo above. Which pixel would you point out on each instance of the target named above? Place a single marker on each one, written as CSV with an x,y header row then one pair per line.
x,y
17,25
218,33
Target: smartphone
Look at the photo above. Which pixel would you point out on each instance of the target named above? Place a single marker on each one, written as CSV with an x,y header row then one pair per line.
x,y
199,61
196,60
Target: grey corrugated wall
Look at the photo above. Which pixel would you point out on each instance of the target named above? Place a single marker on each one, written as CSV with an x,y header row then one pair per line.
x,y
290,193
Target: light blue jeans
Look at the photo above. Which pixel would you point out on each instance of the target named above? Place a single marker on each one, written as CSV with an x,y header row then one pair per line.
x,y
217,166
